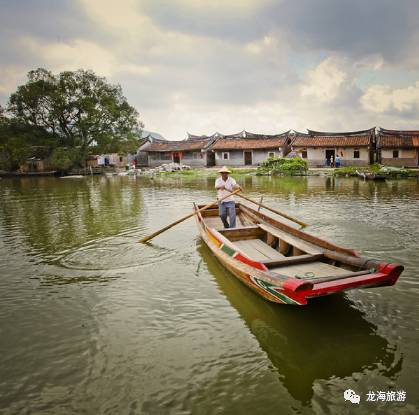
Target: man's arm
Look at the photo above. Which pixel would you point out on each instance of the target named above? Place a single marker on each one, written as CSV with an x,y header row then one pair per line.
x,y
218,185
236,186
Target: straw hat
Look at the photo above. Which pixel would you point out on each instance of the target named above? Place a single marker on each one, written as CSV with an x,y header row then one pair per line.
x,y
224,169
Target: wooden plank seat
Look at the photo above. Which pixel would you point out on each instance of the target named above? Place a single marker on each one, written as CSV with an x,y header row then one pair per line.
x,y
297,243
238,230
217,223
214,222
298,259
311,270
258,250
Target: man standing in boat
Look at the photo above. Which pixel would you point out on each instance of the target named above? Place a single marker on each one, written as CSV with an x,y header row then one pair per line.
x,y
227,208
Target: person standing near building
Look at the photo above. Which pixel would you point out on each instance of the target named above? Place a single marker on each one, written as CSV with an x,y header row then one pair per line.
x,y
337,160
227,208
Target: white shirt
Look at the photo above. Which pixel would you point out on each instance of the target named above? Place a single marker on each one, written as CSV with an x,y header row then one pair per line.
x,y
228,184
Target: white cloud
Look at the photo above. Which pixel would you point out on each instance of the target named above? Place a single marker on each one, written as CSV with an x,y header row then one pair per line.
x,y
383,98
10,77
243,7
325,82
79,53
73,55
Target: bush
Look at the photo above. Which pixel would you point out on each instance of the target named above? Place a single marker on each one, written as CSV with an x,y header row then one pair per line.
x,y
348,171
63,158
283,166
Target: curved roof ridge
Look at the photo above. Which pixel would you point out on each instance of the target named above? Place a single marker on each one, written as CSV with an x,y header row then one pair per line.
x,y
398,132
336,134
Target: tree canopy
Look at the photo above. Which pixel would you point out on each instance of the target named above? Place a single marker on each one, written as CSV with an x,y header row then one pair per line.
x,y
77,109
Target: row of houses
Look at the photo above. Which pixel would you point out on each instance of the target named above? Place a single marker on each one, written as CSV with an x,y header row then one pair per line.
x,y
241,149
354,148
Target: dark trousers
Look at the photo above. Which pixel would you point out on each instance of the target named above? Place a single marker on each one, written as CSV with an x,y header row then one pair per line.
x,y
228,209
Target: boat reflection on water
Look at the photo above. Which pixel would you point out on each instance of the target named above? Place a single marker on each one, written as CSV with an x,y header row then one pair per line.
x,y
328,338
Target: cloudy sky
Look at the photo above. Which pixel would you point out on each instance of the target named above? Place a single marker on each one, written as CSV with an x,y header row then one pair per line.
x,y
202,66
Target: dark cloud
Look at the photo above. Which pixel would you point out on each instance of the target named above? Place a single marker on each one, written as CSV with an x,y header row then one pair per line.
x,y
354,28
44,21
351,27
49,19
181,17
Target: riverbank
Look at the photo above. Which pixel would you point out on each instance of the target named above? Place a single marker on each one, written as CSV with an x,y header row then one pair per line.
x,y
212,172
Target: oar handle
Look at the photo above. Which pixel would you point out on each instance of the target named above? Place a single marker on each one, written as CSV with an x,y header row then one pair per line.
x,y
147,238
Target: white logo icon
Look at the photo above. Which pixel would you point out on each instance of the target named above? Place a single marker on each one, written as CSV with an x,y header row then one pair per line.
x,y
350,395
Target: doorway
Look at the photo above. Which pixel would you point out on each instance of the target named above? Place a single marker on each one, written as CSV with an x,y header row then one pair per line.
x,y
176,158
210,158
248,158
330,158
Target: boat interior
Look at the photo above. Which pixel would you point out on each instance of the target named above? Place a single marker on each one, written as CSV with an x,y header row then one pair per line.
x,y
280,251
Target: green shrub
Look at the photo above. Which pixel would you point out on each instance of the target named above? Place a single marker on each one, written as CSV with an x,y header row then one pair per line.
x,y
64,159
347,171
283,166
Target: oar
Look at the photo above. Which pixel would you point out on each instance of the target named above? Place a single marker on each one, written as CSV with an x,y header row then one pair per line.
x,y
274,211
147,238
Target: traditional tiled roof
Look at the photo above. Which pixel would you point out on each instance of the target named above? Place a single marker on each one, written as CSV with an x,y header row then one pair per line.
x,y
393,141
397,138
185,145
306,140
248,144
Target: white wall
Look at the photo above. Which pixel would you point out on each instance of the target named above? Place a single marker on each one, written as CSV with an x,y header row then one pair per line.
x,y
237,157
316,157
403,153
154,160
407,157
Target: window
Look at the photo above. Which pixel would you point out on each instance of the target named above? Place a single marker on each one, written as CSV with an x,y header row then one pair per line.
x,y
356,154
165,156
226,156
271,155
304,154
395,154
120,159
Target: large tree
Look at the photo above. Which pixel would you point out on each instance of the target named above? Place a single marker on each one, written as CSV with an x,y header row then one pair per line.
x,y
78,108
18,141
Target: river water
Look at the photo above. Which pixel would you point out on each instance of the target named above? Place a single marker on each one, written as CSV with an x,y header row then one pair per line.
x,y
91,322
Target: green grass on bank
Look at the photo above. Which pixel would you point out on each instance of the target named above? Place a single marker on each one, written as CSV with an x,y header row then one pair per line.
x,y
207,172
293,169
385,171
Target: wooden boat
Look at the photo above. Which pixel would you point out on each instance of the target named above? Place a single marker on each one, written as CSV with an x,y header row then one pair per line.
x,y
287,265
